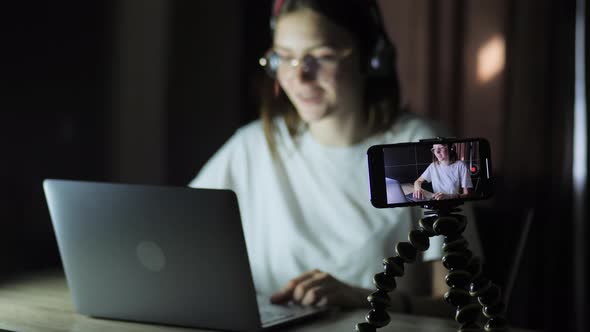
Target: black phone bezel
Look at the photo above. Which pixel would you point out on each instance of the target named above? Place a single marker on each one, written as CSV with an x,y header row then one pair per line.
x,y
377,171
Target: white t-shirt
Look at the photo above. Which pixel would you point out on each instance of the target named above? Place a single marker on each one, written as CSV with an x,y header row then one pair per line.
x,y
310,209
448,178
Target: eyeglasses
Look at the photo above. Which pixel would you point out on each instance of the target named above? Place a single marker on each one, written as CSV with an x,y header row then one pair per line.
x,y
277,64
439,149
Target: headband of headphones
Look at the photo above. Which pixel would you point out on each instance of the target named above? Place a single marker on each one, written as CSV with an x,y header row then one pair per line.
x,y
372,5
382,57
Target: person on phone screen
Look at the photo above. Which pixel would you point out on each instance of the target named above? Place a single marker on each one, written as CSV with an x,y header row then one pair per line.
x,y
300,171
449,177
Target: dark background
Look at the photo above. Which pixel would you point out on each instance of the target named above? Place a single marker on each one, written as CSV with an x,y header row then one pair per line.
x,y
406,164
145,91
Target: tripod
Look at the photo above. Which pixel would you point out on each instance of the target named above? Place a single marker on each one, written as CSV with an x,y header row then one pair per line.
x,y
465,277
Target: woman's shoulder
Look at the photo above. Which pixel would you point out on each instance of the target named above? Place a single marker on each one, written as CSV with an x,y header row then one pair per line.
x,y
243,139
248,134
251,129
460,164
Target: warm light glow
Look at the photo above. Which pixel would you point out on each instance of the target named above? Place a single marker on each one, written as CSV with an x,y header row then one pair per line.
x,y
491,58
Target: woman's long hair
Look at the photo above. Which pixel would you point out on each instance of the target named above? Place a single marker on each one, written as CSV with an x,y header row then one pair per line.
x,y
382,92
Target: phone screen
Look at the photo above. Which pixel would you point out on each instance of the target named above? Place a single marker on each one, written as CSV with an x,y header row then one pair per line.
x,y
417,173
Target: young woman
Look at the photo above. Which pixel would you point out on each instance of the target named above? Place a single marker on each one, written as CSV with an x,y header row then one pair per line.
x,y
300,172
447,174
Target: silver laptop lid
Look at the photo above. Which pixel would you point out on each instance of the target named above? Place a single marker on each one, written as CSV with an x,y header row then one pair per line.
x,y
167,255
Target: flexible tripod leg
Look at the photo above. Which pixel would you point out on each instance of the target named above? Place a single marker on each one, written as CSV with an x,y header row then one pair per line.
x,y
464,278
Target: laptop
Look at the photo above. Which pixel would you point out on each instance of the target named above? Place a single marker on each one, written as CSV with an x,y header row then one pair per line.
x,y
166,255
395,193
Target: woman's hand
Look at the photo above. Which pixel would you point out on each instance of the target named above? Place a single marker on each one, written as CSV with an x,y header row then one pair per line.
x,y
439,196
320,289
418,192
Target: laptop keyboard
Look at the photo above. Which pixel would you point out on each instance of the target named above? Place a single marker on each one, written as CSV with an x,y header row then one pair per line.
x,y
270,313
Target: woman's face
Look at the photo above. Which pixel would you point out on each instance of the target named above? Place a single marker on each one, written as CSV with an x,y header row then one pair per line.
x,y
441,152
320,69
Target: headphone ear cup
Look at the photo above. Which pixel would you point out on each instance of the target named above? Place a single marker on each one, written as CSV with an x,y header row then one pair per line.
x,y
272,64
382,59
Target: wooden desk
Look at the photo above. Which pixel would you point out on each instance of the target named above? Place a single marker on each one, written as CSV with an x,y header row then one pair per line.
x,y
41,302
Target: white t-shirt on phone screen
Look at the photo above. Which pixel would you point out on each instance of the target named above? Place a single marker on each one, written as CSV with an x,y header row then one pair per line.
x,y
448,179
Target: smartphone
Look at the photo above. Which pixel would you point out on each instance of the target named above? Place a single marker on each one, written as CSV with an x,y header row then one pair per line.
x,y
420,173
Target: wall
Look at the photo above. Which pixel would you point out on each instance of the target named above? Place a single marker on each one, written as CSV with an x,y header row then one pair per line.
x,y
524,109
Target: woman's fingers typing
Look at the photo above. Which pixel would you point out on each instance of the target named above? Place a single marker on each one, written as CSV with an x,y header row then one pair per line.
x,y
315,288
314,281
286,293
317,295
418,193
439,196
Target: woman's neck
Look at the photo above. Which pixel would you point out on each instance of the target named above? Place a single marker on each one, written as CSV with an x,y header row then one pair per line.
x,y
340,131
